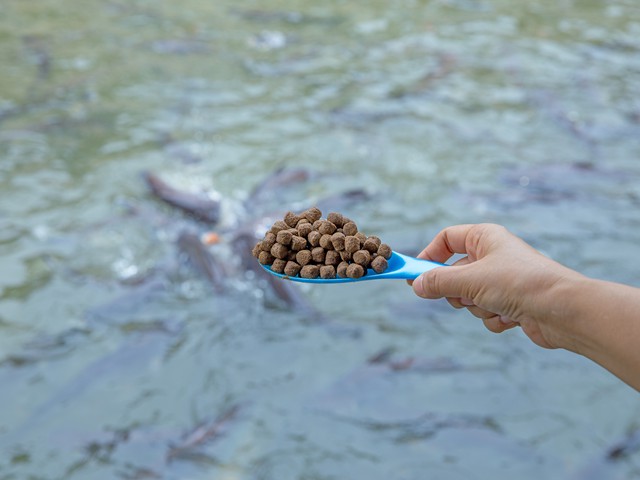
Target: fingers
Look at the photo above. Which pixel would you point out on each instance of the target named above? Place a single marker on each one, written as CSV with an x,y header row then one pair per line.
x,y
496,325
449,241
450,282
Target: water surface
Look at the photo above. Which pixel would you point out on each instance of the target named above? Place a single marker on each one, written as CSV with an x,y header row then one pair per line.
x,y
112,348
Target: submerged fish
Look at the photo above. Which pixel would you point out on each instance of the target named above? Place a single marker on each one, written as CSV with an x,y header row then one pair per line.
x,y
199,205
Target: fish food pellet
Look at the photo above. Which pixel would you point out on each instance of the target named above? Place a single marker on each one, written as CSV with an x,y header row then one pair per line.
x,y
332,258
306,245
312,214
304,229
341,270
384,250
278,265
268,241
326,227
298,243
336,218
279,251
379,264
350,228
325,242
303,257
318,255
327,271
310,271
265,258
351,244
362,257
314,238
284,237
337,240
346,256
291,219
279,225
292,269
371,244
355,271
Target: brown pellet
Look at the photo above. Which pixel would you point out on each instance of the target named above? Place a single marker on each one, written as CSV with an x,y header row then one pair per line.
x,y
292,269
291,255
317,223
361,236
312,214
314,238
372,244
318,254
362,257
351,244
350,228
291,219
278,265
346,256
336,218
332,258
326,227
268,241
384,250
355,271
265,258
379,264
284,237
277,226
303,257
325,242
257,248
304,229
342,269
298,243
337,240
310,271
327,271
279,251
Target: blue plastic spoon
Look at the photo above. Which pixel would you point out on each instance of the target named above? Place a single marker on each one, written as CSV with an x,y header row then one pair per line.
x,y
400,266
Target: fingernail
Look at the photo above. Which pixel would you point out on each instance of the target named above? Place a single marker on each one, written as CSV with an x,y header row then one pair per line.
x,y
417,286
466,302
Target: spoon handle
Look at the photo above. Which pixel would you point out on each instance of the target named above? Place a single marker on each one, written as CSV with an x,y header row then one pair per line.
x,y
414,267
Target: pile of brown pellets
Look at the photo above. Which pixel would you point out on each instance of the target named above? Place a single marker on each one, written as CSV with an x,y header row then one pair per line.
x,y
306,245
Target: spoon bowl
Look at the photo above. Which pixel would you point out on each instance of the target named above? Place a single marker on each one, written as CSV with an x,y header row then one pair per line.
x,y
400,267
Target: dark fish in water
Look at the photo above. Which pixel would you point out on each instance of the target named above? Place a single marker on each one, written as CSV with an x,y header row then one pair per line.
x,y
608,465
48,347
199,205
203,433
629,445
202,259
281,178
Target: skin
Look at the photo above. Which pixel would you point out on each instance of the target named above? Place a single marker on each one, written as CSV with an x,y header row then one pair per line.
x,y
507,283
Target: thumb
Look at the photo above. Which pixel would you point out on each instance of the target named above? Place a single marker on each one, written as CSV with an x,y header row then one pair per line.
x,y
451,282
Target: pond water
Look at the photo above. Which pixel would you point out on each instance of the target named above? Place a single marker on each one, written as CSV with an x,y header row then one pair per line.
x,y
118,359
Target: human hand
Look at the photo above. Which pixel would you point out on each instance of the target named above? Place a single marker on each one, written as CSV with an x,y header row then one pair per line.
x,y
502,280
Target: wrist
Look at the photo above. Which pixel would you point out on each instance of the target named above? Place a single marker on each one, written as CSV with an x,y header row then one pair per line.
x,y
568,316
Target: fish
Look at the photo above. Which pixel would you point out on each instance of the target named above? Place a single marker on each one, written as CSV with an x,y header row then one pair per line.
x,y
200,206
203,433
202,260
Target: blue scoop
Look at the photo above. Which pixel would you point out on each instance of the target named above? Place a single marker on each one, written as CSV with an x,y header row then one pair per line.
x,y
400,266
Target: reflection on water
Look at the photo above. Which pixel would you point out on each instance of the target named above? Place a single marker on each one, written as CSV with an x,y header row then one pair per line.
x,y
123,355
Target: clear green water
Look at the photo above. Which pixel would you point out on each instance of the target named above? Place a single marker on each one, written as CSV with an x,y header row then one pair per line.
x,y
111,349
